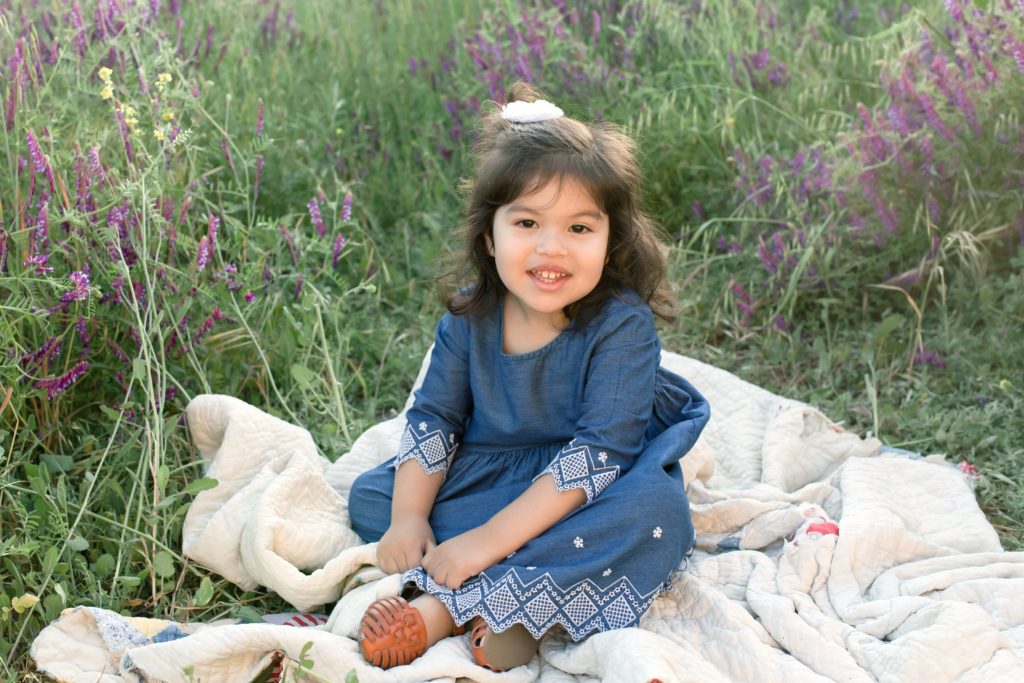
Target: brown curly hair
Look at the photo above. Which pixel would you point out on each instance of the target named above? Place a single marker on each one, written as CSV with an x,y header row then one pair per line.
x,y
514,159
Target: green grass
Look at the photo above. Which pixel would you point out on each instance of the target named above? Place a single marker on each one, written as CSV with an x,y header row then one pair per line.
x,y
95,482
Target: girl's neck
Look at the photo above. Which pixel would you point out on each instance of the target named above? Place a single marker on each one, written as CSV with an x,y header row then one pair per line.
x,y
523,331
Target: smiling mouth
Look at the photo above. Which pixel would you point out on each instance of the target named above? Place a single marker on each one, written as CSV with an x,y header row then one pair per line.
x,y
548,276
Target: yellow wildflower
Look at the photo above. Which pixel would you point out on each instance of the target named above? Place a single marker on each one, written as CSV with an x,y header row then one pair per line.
x,y
23,603
129,110
162,80
104,74
158,134
107,92
168,116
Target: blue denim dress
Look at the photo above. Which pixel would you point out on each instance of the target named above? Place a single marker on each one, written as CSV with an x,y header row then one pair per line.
x,y
593,409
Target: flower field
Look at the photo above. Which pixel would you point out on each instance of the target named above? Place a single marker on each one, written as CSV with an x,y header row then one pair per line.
x,y
250,199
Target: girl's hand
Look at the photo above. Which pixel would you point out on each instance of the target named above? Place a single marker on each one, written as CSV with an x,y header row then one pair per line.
x,y
404,543
459,558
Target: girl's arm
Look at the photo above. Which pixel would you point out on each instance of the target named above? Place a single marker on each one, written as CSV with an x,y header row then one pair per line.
x,y
409,536
434,425
525,518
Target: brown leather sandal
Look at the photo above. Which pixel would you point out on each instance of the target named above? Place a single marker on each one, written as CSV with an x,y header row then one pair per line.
x,y
501,651
392,633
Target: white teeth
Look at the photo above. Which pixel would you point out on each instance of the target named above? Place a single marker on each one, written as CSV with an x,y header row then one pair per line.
x,y
549,275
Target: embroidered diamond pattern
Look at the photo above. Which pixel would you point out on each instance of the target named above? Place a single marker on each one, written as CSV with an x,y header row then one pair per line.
x,y
580,609
574,465
433,449
603,479
501,602
541,603
541,608
467,599
408,443
619,614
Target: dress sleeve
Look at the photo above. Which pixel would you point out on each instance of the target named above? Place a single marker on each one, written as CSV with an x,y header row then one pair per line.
x,y
442,405
618,399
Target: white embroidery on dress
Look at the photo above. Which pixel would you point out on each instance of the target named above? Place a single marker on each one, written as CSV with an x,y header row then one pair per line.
x,y
575,468
578,542
540,603
607,572
657,532
433,450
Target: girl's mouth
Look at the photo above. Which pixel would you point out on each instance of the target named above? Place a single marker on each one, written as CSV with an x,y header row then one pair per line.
x,y
548,277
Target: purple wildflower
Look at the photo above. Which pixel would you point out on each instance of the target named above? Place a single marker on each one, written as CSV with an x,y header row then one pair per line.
x,y
38,264
780,323
83,332
122,126
250,297
743,302
203,253
204,329
79,26
933,117
290,243
57,385
346,207
49,349
1017,50
923,356
298,286
597,26
956,10
698,210
314,215
339,242
213,225
259,117
39,162
81,288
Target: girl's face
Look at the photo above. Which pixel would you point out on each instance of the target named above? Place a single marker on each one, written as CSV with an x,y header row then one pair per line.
x,y
550,247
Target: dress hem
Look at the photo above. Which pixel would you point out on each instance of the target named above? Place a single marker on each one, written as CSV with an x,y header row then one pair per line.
x,y
540,604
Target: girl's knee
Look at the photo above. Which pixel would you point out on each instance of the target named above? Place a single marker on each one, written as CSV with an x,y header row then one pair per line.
x,y
369,504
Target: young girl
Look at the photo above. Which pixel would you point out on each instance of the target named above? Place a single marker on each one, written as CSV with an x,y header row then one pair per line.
x,y
537,482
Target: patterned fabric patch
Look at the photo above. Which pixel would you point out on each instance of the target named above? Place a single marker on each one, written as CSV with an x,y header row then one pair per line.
x,y
574,468
432,449
541,603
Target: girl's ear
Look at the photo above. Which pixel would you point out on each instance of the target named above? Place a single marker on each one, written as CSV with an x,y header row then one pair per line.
x,y
490,245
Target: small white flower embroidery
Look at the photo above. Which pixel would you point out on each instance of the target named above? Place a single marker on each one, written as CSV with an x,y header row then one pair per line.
x,y
510,554
606,572
657,532
423,426
603,457
578,542
530,569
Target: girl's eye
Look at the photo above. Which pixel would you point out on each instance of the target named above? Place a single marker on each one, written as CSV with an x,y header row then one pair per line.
x,y
579,229
526,223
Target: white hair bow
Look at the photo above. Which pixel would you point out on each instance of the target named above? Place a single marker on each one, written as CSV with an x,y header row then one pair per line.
x,y
530,112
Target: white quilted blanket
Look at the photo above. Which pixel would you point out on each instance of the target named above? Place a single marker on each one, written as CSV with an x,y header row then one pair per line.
x,y
820,558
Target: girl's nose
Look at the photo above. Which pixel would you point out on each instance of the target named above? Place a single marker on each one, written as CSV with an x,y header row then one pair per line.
x,y
549,243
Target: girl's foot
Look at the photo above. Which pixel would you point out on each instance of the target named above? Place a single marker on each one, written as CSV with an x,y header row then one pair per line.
x,y
394,631
501,651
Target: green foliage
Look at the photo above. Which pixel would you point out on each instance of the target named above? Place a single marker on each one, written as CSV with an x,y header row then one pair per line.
x,y
371,119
